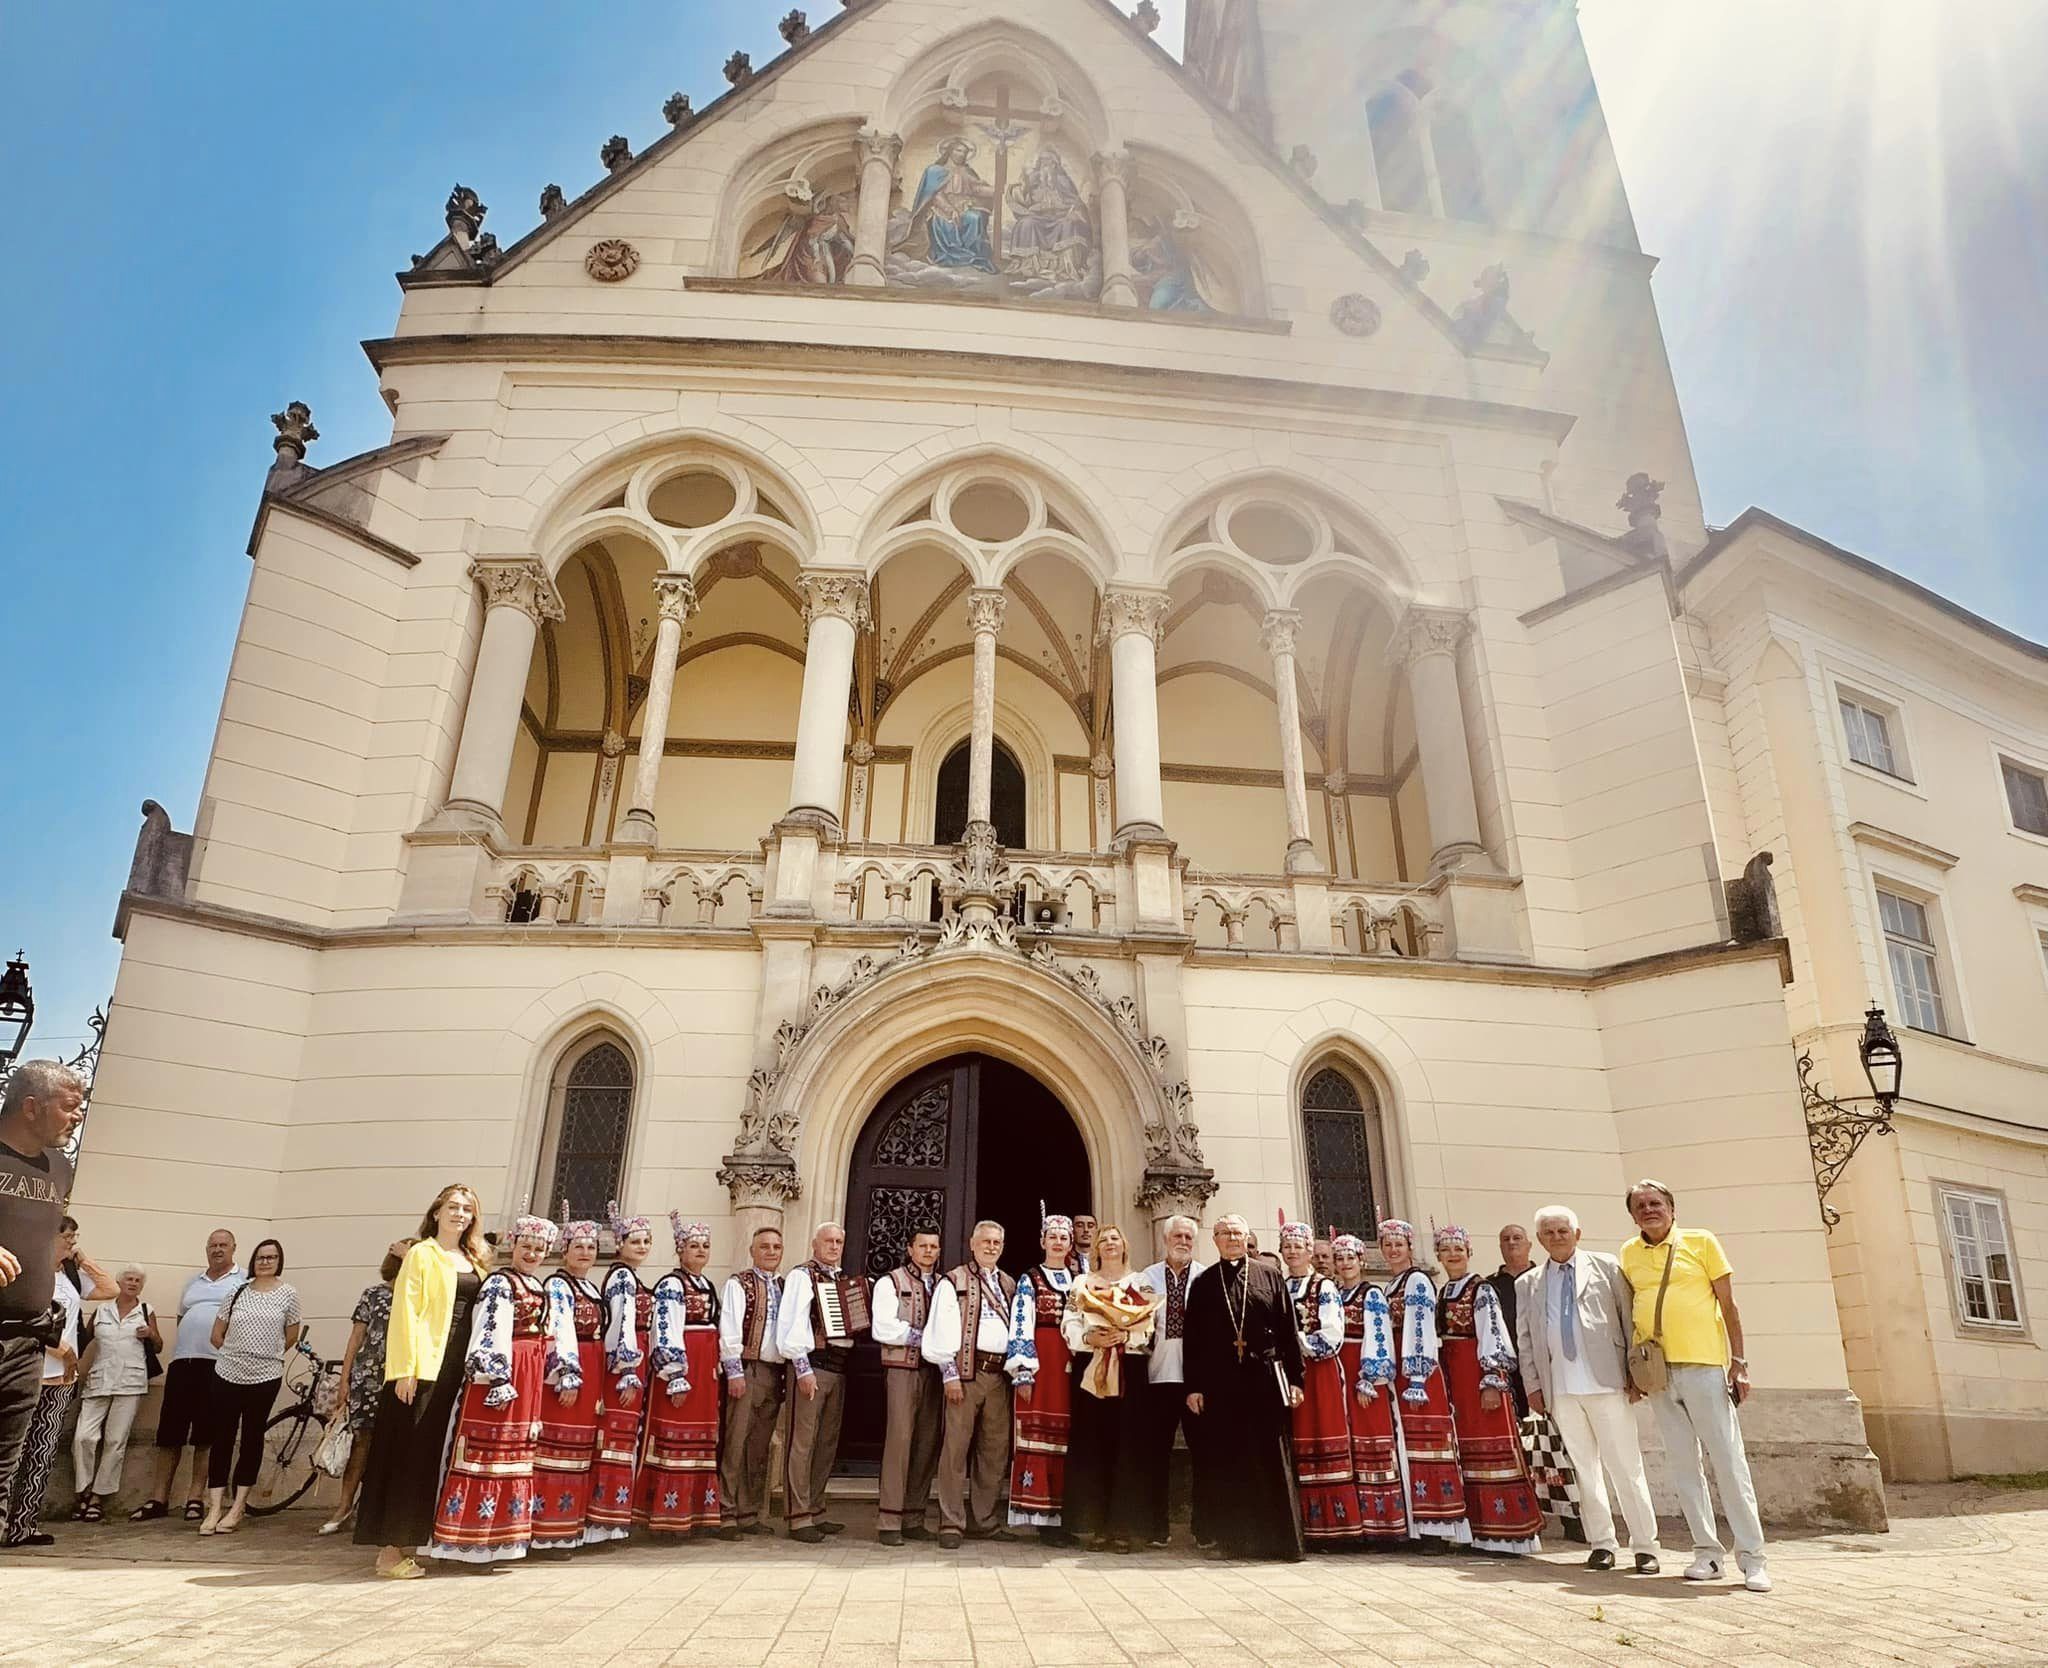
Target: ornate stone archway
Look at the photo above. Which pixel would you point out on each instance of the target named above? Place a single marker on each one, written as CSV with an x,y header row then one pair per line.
x,y
978,988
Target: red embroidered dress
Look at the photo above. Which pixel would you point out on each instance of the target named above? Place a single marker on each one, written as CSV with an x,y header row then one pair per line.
x,y
678,1482
568,1435
1038,1356
1429,1439
1368,1358
1321,1427
485,1511
629,1319
1477,1356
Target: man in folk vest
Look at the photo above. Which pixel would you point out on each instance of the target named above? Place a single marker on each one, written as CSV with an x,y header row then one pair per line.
x,y
752,1363
966,1338
910,1443
820,1379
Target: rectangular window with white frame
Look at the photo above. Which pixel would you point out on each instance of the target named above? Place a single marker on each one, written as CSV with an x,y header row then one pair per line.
x,y
1875,736
1915,961
2026,796
1983,1272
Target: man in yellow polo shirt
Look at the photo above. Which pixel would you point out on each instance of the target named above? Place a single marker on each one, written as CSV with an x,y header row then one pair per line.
x,y
1708,1378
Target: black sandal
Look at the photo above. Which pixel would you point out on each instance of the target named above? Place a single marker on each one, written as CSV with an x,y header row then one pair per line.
x,y
194,1511
149,1511
90,1512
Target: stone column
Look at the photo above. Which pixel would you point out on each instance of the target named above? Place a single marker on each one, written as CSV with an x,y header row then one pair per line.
x,y
676,596
1278,635
1427,647
1131,622
1112,210
518,596
877,154
985,608
835,609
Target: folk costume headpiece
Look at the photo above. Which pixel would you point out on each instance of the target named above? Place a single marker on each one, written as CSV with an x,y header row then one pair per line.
x,y
1451,1234
1348,1242
1300,1232
1046,1223
623,1226
527,1226
1395,1225
583,1232
687,1231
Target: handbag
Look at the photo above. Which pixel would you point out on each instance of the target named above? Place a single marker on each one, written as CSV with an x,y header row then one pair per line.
x,y
1647,1369
152,1357
331,1456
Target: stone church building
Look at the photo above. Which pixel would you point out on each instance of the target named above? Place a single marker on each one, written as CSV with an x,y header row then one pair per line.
x,y
995,616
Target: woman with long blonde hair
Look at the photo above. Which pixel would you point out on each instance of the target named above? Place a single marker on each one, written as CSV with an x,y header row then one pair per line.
x,y
423,1373
1108,1327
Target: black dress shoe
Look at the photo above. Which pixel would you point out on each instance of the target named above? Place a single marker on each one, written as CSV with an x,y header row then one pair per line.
x,y
890,1537
916,1532
811,1535
33,1540
833,1528
729,1531
756,1528
1599,1559
949,1540
1646,1565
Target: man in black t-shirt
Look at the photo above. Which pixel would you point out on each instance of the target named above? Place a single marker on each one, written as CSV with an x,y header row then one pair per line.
x,y
37,1115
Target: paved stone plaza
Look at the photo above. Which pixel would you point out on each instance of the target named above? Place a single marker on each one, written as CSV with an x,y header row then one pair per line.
x,y
1961,1579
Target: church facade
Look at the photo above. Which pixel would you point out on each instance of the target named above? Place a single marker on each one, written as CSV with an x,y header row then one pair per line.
x,y
998,616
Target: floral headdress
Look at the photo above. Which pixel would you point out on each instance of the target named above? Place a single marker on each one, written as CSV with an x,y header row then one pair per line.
x,y
1451,1234
1046,1223
1300,1232
527,1226
624,1225
687,1231
1348,1242
1394,1224
573,1232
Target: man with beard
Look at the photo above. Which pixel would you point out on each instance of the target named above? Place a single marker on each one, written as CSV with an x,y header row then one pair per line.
x,y
1244,1380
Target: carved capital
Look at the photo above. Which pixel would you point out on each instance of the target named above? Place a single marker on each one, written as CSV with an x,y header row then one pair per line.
x,y
1176,1192
613,745
842,596
675,595
1278,630
873,145
1336,784
1100,765
1112,167
1428,631
756,1182
862,753
986,606
1132,613
518,582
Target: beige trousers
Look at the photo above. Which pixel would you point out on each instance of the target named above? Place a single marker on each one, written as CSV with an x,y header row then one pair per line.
x,y
813,1446
977,1441
910,1444
749,1432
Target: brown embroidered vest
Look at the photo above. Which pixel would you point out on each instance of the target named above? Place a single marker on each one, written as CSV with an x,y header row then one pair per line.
x,y
913,1307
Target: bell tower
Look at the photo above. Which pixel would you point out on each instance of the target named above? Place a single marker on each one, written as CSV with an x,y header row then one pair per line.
x,y
1482,111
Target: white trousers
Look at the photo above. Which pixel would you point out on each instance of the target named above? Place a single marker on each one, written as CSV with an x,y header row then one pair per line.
x,y
1600,1431
103,1426
1694,1412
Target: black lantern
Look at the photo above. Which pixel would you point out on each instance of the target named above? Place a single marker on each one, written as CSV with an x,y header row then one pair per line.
x,y
17,1008
1881,1061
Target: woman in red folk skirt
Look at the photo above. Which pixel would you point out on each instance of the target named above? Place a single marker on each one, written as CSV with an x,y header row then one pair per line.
x,y
1479,1360
575,1376
1367,1356
628,1321
1429,1439
485,1514
678,1484
1037,1364
1324,1476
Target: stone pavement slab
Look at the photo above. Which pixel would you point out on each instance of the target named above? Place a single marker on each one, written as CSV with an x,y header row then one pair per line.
x,y
1960,1582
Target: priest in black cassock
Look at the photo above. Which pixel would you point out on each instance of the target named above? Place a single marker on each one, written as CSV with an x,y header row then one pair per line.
x,y
1243,1363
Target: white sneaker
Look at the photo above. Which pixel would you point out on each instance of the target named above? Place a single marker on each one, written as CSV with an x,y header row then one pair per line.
x,y
1756,1577
1705,1567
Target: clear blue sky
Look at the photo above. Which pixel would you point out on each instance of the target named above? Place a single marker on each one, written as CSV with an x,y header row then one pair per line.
x,y
207,204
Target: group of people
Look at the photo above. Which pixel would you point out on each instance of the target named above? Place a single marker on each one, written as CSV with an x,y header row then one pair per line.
x,y
500,1412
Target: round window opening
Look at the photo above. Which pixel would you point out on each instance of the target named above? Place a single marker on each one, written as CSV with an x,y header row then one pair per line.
x,y
990,512
1268,533
695,498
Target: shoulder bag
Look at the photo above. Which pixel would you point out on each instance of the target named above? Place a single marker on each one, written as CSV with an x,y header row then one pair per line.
x,y
152,1357
1647,1369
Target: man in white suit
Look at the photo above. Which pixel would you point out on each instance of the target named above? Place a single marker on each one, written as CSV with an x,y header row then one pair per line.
x,y
1166,1410
1572,1325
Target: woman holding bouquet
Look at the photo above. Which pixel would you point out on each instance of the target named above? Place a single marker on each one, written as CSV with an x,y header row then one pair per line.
x,y
1107,1327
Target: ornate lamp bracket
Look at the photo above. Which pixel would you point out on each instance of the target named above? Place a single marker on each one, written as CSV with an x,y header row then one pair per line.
x,y
1834,1130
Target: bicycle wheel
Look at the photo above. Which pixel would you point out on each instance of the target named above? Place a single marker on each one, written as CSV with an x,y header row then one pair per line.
x,y
288,1444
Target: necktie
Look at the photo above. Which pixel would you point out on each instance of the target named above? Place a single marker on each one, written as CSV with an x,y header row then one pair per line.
x,y
1568,1322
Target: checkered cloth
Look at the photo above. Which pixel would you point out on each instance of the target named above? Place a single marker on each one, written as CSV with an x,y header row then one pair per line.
x,y
1557,1485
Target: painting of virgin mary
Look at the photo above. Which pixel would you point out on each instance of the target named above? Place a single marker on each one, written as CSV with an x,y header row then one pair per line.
x,y
952,208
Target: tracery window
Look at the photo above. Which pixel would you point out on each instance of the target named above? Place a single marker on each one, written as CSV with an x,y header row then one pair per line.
x,y
590,1114
1341,1135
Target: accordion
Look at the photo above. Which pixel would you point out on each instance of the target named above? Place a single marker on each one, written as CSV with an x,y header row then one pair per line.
x,y
842,1307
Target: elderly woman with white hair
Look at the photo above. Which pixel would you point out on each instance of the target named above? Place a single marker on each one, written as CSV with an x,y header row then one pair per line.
x,y
114,1368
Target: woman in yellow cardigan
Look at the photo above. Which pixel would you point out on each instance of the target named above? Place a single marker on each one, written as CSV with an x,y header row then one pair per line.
x,y
423,1355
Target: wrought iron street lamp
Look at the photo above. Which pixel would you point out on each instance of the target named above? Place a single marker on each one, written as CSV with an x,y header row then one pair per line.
x,y
17,1010
1835,1128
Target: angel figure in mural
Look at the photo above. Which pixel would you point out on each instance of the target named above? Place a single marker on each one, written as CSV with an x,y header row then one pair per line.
x,y
1164,271
812,245
952,208
1050,233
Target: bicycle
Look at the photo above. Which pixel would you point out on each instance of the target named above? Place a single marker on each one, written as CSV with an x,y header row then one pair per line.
x,y
293,1434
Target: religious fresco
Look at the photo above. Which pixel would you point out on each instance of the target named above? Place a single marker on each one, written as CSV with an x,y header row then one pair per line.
x,y
1166,275
995,206
812,244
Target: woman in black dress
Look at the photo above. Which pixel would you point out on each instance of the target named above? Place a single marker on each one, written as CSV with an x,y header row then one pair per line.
x,y
1108,1327
423,1355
